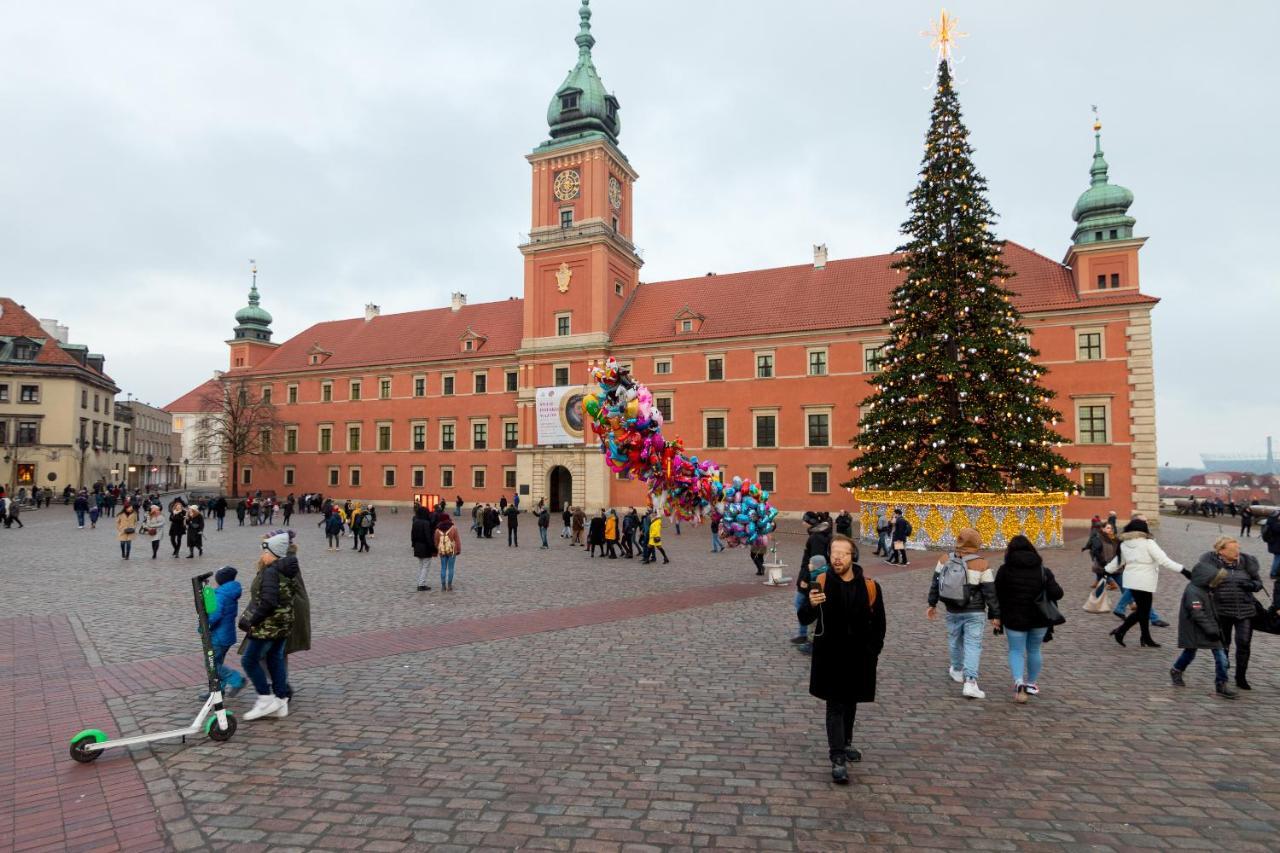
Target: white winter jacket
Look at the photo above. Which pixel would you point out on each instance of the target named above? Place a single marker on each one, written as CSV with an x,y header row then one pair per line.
x,y
1142,559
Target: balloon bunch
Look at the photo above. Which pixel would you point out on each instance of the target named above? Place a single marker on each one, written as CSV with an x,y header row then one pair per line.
x,y
625,418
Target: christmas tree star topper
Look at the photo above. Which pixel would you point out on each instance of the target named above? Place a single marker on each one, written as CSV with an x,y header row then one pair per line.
x,y
943,34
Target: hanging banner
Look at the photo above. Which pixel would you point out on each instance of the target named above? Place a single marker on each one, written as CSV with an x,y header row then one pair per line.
x,y
559,413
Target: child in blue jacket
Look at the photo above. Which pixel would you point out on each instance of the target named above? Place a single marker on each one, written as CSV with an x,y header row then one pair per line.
x,y
222,628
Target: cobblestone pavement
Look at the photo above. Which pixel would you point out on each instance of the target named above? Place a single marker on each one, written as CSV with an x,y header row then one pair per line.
x,y
556,702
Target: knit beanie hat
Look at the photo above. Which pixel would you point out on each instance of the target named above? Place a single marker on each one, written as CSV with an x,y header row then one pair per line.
x,y
277,544
226,574
1137,525
969,538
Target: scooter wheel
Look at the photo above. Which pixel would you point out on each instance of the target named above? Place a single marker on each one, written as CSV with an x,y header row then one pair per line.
x,y
81,754
220,735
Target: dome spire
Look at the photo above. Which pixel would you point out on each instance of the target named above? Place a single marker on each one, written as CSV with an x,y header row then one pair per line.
x,y
253,321
585,40
581,108
1101,213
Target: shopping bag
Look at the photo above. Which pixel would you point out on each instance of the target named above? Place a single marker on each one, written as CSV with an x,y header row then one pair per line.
x,y
1100,599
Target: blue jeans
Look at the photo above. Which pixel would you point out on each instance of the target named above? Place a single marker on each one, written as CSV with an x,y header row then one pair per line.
x,y
964,630
801,630
446,568
1024,654
542,534
1122,606
716,545
272,651
80,521
882,543
1219,662
220,520
228,676
1275,562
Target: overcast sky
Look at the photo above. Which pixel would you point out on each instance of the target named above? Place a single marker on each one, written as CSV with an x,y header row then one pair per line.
x,y
374,151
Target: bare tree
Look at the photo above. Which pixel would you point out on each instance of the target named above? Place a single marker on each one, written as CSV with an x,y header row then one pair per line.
x,y
243,425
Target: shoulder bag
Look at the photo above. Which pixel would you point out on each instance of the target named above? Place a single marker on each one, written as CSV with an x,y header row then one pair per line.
x,y
1048,609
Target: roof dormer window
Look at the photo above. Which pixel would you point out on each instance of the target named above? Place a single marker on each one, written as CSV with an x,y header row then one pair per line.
x,y
569,101
612,108
25,351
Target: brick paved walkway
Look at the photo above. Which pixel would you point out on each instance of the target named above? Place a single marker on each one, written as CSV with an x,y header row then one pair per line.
x,y
560,703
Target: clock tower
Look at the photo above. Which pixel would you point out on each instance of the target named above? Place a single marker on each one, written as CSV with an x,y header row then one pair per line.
x,y
580,268
579,262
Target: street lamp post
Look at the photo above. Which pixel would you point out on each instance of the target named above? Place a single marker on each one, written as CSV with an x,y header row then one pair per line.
x,y
185,463
168,472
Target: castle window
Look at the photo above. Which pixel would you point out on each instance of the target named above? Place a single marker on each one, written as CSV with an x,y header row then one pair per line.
x,y
1102,282
612,109
715,368
569,101
617,284
1115,279
615,223
27,351
562,325
1114,233
446,385
764,365
566,217
513,380
1089,346
1097,235
561,377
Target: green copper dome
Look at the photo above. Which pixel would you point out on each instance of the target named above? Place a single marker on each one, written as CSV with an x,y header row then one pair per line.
x,y
1101,213
581,107
253,321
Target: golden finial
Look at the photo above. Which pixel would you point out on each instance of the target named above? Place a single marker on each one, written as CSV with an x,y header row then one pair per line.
x,y
1097,120
943,34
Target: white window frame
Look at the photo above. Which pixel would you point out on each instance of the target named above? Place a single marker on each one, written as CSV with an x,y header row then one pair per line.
x,y
419,377
869,347
355,477
291,435
483,482
507,373
1105,471
418,477
662,366
568,374
707,366
447,469
819,410
290,475
388,380
413,425
292,394
818,469
773,363
1080,402
389,469
755,430
474,422
1101,332
326,391
320,428
246,475
391,436
452,378
772,471
670,397
563,315
355,390
722,414
476,376
509,477
508,422
359,436
826,360
449,422
335,477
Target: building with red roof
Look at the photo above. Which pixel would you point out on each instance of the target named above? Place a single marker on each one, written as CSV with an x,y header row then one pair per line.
x,y
59,425
762,370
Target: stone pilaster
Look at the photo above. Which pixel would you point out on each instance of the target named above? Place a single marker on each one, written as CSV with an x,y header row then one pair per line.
x,y
1145,495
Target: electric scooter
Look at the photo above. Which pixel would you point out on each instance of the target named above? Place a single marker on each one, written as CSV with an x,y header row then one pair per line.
x,y
214,720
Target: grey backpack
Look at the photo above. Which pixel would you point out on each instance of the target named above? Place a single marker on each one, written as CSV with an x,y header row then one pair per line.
x,y
953,580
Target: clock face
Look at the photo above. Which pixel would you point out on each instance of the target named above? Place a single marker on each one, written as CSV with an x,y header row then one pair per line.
x,y
615,193
566,184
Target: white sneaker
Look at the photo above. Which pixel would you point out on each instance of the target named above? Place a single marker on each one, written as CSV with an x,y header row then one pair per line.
x,y
264,706
971,691
283,710
957,675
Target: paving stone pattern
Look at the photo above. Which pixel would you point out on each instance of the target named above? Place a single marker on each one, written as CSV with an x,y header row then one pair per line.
x,y
554,702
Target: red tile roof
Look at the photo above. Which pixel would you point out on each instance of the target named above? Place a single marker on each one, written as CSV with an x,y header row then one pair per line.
x,y
847,293
415,336
196,400
16,321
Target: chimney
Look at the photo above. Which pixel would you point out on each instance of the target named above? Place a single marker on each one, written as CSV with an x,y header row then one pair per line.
x,y
56,330
459,300
820,256
371,311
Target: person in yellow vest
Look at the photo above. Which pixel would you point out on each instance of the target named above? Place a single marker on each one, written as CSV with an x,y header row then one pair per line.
x,y
655,541
611,535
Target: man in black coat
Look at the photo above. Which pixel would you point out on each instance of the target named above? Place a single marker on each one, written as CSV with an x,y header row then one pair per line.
x,y
849,610
513,525
422,536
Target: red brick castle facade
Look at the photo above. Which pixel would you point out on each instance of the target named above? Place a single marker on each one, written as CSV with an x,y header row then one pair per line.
x,y
442,401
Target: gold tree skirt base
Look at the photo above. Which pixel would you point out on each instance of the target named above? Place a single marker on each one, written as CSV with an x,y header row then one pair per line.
x,y
936,517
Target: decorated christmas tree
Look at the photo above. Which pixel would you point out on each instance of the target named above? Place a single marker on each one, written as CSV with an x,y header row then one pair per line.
x,y
958,405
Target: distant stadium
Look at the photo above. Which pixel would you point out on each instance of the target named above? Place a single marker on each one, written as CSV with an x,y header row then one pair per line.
x,y
1245,463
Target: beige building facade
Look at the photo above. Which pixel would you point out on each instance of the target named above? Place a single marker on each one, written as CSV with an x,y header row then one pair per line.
x,y
58,419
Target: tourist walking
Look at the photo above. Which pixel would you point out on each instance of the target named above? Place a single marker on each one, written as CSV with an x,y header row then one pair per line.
x,y
512,513
1022,582
1141,559
566,515
1233,600
1246,521
220,515
195,532
849,611
449,547
716,545
14,515
1198,628
630,525
422,536
268,621
81,508
757,551
544,522
655,540
899,532
241,512
579,522
964,583
333,529
153,524
595,535
611,535
883,529
126,529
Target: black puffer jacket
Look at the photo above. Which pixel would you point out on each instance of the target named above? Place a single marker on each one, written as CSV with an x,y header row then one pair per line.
x,y
1233,598
1019,581
819,542
1197,621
